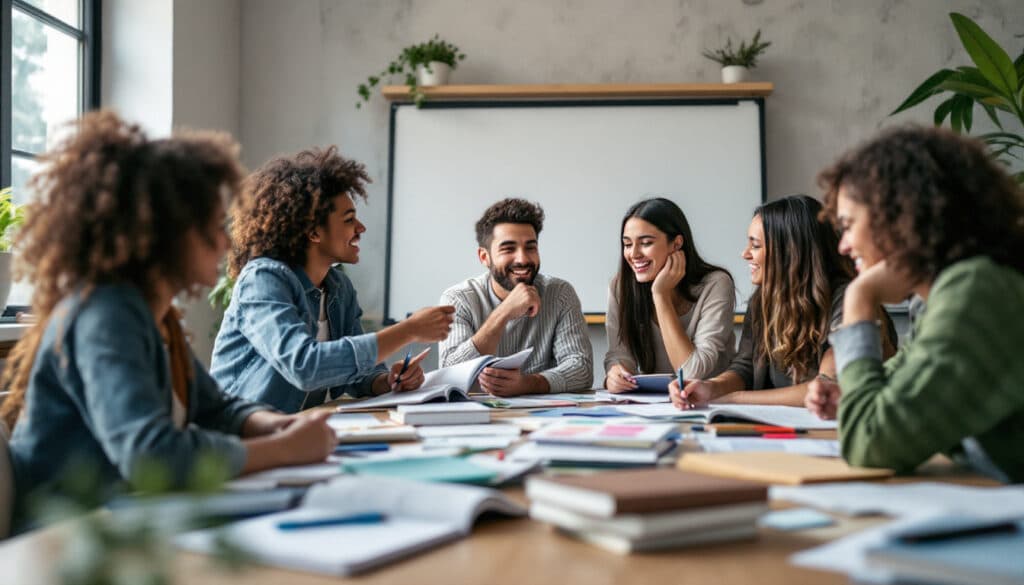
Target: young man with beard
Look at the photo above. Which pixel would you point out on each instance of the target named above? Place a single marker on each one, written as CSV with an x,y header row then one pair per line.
x,y
512,307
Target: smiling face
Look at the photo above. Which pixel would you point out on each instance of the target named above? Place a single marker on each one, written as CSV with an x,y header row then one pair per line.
x,y
857,241
513,257
646,248
754,253
338,238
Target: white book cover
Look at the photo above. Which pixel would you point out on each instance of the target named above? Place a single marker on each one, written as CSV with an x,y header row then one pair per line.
x,y
442,413
417,516
649,526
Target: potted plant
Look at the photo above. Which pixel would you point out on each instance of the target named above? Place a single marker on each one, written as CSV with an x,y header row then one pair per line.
x,y
995,83
12,216
422,64
736,63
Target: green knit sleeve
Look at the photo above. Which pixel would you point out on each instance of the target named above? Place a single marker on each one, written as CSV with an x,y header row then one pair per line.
x,y
959,377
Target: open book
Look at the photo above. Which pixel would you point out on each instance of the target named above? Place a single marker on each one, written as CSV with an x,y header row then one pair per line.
x,y
783,416
417,516
450,384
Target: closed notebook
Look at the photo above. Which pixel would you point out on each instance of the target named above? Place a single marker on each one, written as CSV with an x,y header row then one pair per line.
x,y
438,469
605,433
778,468
641,491
417,516
622,546
982,559
442,413
650,526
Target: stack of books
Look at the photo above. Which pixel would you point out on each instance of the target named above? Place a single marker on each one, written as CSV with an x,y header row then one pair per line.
x,y
646,510
599,442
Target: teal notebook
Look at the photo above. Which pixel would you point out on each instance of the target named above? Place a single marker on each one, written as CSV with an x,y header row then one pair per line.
x,y
443,469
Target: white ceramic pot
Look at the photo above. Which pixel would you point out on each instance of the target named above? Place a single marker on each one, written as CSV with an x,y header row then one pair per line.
x,y
734,74
5,278
436,74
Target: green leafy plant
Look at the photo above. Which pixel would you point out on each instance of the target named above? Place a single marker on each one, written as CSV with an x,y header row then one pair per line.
x,y
12,216
995,82
220,295
744,56
436,49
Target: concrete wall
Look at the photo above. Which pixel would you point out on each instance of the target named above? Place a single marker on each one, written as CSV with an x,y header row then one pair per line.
x,y
839,68
171,64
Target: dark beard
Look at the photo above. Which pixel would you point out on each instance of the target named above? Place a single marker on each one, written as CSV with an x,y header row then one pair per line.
x,y
504,277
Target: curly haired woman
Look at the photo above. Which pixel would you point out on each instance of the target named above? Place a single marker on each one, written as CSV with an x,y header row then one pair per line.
x,y
291,336
105,379
800,278
927,212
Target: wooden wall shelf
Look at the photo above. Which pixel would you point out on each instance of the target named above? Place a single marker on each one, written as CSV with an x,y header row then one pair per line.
x,y
586,90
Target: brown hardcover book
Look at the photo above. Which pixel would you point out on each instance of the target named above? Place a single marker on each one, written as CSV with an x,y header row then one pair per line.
x,y
605,495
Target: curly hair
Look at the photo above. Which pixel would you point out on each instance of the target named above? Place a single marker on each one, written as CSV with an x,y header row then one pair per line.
x,y
113,206
287,198
935,198
508,211
791,309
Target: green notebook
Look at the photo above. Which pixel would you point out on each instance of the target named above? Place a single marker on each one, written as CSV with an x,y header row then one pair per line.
x,y
443,469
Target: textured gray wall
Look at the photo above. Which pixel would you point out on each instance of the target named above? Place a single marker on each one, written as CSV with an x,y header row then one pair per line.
x,y
839,67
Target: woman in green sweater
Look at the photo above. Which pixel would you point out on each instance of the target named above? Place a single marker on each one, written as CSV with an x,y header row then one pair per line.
x,y
928,213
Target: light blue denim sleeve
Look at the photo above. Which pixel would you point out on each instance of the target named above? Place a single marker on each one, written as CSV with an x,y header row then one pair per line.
x,y
354,313
270,320
129,411
217,410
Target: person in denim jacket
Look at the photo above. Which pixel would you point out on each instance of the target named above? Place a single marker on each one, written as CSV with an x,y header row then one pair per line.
x,y
105,381
291,336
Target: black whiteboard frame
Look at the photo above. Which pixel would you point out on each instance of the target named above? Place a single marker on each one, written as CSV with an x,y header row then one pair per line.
x,y
546,103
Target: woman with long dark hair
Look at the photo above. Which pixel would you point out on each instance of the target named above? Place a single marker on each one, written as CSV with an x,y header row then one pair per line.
x,y
668,308
800,278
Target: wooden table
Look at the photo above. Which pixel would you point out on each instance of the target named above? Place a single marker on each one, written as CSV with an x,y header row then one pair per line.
x,y
524,552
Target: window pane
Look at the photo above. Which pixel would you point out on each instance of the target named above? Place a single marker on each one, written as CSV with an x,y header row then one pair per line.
x,y
66,10
21,170
44,83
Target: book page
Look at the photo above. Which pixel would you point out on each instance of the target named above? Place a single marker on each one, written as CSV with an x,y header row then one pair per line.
x,y
460,375
783,416
424,394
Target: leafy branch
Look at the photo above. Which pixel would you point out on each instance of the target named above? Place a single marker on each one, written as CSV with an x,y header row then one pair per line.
x,y
436,49
744,56
995,83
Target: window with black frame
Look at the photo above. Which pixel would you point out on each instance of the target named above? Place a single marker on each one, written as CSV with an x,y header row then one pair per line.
x,y
49,73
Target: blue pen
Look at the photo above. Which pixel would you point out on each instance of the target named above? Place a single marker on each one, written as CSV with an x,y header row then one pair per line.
x,y
679,380
405,366
363,518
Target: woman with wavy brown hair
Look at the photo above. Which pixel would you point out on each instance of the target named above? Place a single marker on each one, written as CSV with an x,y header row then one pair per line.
x,y
929,213
105,380
800,278
292,336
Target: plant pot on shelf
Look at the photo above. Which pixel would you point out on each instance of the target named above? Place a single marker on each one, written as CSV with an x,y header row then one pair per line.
x,y
434,73
5,278
734,74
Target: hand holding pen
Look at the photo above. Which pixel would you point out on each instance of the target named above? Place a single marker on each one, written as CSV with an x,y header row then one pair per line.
x,y
408,375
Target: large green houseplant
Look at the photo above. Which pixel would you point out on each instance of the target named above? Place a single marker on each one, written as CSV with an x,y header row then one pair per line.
x,y
422,64
995,82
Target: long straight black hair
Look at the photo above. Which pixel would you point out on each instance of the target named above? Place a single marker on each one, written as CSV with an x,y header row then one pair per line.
x,y
636,303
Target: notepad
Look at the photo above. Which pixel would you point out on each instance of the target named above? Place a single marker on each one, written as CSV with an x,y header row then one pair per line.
x,y
436,469
775,467
418,516
443,413
783,416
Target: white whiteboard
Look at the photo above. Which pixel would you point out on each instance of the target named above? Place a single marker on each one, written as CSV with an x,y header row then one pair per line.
x,y
585,164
